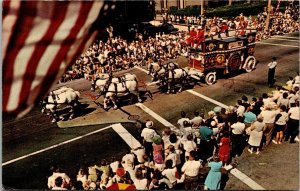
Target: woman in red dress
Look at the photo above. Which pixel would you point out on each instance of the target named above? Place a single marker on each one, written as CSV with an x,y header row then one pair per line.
x,y
224,150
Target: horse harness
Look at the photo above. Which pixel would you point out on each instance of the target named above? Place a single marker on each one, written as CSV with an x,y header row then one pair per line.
x,y
121,80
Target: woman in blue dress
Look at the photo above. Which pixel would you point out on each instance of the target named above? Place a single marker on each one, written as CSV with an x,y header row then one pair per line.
x,y
213,179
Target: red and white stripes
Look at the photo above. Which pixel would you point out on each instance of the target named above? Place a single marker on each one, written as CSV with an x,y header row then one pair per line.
x,y
38,36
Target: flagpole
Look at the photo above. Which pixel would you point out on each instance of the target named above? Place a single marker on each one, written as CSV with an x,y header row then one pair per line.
x,y
268,16
202,7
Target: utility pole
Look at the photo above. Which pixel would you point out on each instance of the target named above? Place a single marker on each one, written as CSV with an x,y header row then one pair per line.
x,y
268,16
202,7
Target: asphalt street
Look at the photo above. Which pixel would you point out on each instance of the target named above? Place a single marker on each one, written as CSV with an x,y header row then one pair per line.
x,y
278,162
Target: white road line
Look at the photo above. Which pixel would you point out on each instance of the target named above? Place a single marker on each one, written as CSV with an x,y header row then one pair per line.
x,y
142,69
277,44
154,115
207,98
126,136
190,91
244,178
286,37
54,146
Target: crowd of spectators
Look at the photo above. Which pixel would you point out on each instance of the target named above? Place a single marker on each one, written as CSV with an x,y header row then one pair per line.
x,y
280,22
117,54
180,157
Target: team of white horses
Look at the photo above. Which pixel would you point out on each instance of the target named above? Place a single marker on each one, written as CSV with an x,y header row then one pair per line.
x,y
60,98
112,88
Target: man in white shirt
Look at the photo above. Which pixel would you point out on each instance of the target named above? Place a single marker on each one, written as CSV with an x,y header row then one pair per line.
x,y
197,120
240,108
269,118
57,173
237,138
182,119
191,170
293,123
189,145
271,74
140,153
58,185
148,133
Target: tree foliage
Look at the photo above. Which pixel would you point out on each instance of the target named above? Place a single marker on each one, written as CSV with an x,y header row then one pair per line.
x,y
225,11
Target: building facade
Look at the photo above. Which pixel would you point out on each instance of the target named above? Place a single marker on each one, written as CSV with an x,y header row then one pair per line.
x,y
162,5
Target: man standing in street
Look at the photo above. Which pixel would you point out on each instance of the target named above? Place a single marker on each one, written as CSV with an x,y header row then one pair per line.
x,y
271,74
148,133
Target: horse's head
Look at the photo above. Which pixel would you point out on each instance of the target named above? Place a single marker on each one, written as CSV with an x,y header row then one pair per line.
x,y
157,75
103,89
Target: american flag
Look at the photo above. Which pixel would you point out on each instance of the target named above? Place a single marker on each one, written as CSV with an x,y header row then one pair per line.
x,y
40,39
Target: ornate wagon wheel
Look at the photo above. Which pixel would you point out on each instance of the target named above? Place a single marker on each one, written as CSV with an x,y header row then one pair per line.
x,y
211,78
250,63
234,62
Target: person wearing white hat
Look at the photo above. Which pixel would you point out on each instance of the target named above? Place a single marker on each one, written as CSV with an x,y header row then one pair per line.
x,y
148,133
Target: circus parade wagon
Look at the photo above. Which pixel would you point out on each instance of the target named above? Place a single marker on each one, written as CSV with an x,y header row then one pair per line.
x,y
223,56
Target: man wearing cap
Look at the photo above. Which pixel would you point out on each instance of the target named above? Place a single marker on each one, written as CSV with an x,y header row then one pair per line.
x,y
148,133
272,66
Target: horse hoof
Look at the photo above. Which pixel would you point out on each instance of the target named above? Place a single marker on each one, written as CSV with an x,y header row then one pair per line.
x,y
115,107
140,100
53,120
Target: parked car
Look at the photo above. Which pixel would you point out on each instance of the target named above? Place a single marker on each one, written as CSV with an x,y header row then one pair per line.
x,y
167,28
